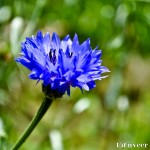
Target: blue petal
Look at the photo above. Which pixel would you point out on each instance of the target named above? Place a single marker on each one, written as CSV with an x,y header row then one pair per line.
x,y
75,44
39,38
85,46
34,74
55,41
63,61
65,43
86,87
66,38
68,75
91,84
104,69
46,43
84,60
24,62
84,78
31,42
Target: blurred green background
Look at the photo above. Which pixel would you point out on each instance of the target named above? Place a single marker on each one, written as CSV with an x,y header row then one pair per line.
x,y
117,110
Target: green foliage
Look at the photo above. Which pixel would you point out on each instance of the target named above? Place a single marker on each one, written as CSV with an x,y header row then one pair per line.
x,y
117,110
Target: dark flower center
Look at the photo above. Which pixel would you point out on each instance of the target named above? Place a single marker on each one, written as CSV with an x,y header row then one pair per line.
x,y
71,54
52,56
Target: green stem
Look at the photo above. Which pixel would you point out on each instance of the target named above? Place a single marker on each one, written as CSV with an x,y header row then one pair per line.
x,y
38,116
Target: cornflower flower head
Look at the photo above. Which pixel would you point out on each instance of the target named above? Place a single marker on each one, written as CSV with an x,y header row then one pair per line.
x,y
61,64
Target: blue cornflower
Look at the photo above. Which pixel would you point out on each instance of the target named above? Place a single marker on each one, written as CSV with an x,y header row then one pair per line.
x,y
61,64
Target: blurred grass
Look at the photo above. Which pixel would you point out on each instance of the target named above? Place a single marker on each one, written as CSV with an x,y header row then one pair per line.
x,y
117,110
